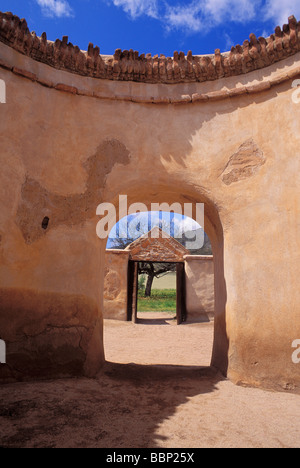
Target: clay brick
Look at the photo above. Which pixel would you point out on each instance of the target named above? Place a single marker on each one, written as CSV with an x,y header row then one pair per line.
x,y
130,66
258,88
237,91
279,79
66,88
184,99
161,100
25,74
294,73
199,97
218,95
85,92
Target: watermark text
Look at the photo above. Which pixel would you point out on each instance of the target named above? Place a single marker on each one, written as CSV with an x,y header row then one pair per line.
x,y
166,456
2,92
2,352
296,93
162,215
296,354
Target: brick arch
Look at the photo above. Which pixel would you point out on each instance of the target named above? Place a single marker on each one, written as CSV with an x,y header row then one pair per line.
x,y
156,246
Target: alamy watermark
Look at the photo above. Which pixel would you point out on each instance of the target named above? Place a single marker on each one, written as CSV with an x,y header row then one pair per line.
x,y
2,92
162,215
296,354
296,93
2,352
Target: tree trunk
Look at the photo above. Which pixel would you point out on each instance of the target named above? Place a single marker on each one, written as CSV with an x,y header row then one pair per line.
x,y
149,285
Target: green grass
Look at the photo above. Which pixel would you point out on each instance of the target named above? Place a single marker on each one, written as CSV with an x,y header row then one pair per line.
x,y
161,300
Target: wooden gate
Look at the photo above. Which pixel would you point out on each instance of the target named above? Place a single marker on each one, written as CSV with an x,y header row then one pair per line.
x,y
133,274
180,294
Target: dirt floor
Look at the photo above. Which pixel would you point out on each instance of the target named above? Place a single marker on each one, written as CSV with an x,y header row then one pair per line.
x,y
151,393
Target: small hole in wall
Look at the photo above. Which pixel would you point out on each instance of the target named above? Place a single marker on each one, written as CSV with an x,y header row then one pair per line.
x,y
45,222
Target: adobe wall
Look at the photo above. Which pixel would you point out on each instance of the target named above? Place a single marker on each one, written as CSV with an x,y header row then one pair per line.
x,y
200,290
116,284
199,271
70,141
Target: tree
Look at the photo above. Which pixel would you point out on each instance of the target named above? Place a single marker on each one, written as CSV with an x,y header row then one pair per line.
x,y
133,230
137,225
206,249
154,270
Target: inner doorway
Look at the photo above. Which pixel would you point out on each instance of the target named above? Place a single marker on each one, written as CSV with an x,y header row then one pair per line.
x,y
157,294
151,343
134,268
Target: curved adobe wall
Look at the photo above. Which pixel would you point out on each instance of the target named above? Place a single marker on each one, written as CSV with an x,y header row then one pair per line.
x,y
69,142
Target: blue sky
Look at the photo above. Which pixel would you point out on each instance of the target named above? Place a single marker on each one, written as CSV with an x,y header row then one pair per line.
x,y
155,26
141,223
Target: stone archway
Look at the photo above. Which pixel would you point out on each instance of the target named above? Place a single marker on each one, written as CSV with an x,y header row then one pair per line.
x,y
159,194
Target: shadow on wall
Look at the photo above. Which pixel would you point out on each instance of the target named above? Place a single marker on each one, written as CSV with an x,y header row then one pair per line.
x,y
111,152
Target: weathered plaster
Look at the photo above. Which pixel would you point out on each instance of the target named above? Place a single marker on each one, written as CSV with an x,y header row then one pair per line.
x,y
116,284
164,153
200,290
244,163
37,202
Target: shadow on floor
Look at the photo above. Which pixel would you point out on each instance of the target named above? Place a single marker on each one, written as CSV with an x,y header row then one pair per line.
x,y
172,320
157,321
151,394
125,407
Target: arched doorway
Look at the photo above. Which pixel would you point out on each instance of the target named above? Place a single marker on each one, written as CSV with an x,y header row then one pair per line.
x,y
214,229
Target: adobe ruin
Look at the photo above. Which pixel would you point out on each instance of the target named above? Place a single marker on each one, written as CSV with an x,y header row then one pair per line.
x,y
78,129
158,246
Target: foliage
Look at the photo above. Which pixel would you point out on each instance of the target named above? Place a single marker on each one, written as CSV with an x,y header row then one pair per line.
x,y
161,300
154,270
141,283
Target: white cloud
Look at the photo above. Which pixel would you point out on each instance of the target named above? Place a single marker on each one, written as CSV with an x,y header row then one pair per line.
x,y
280,10
186,224
229,41
205,14
58,8
138,7
219,11
193,16
188,17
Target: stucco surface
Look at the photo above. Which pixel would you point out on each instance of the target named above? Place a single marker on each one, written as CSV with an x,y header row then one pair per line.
x,y
116,284
62,154
200,287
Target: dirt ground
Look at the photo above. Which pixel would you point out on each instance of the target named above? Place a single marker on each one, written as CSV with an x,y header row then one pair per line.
x,y
151,394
